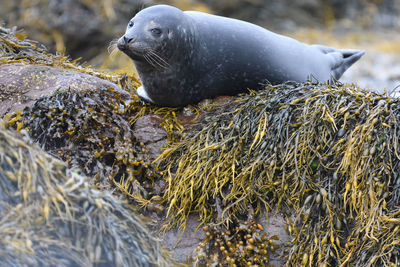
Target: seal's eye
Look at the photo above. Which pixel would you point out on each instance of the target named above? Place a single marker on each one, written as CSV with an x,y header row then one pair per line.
x,y
130,24
156,31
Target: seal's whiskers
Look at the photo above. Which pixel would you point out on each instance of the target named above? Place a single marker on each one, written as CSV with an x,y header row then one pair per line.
x,y
150,60
112,46
157,58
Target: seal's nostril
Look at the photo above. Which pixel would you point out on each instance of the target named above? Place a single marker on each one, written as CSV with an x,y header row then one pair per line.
x,y
127,40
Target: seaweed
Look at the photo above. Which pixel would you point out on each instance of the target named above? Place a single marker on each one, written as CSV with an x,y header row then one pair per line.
x,y
51,215
246,244
326,153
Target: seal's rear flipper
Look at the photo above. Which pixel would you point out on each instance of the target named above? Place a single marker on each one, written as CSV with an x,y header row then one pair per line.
x,y
349,57
341,59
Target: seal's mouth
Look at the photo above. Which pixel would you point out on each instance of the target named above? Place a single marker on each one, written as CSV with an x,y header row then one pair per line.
x,y
123,44
129,49
139,51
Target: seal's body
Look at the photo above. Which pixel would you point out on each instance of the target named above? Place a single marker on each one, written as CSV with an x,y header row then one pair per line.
x,y
184,57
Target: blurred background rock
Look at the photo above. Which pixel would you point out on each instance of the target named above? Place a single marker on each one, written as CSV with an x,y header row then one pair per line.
x,y
85,28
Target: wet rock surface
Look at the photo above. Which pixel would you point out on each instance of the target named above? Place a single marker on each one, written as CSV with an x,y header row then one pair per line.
x,y
185,244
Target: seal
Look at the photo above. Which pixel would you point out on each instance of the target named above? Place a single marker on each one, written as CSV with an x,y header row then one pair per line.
x,y
183,57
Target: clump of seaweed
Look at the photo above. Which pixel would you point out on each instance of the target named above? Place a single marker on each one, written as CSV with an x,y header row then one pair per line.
x,y
326,153
51,215
94,130
244,245
93,122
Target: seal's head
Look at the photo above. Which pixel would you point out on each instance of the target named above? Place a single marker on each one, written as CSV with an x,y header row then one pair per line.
x,y
151,36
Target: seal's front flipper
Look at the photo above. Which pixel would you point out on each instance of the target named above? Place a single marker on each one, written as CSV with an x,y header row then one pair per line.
x,y
141,91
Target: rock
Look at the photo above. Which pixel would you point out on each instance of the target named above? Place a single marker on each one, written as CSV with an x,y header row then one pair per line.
x,y
148,131
21,85
182,245
274,225
288,15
